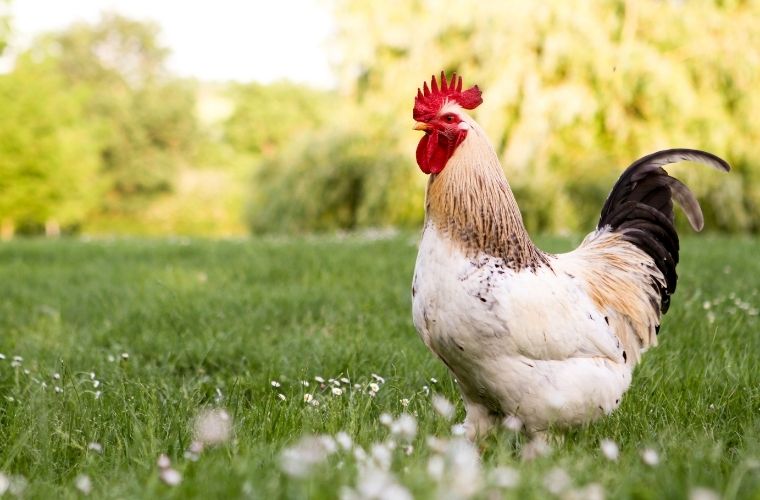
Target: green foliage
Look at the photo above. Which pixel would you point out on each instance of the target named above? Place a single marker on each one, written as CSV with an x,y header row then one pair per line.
x,y
48,153
269,117
144,117
574,91
334,180
213,323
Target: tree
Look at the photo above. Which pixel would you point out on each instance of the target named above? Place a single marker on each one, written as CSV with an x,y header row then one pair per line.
x,y
48,154
144,117
575,90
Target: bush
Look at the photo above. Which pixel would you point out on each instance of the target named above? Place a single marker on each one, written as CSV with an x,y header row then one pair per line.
x,y
335,180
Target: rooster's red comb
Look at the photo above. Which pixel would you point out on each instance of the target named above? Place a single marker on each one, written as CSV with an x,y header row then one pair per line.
x,y
430,100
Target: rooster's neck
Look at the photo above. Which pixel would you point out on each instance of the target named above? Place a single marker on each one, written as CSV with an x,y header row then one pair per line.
x,y
471,202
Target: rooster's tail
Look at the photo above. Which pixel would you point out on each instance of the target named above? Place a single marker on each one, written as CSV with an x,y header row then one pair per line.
x,y
640,208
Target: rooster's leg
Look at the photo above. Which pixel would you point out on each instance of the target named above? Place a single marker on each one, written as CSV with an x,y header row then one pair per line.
x,y
479,421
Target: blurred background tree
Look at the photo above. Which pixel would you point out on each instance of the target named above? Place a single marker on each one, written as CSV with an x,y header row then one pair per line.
x,y
98,136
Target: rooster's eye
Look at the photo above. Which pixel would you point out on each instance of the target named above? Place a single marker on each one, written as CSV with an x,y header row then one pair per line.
x,y
449,118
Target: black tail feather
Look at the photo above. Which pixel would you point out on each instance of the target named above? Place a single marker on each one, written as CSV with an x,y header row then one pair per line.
x,y
640,206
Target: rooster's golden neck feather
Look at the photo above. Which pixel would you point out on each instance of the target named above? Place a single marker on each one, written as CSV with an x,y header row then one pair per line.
x,y
470,200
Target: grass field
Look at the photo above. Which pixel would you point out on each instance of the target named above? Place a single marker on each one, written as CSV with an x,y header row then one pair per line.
x,y
124,342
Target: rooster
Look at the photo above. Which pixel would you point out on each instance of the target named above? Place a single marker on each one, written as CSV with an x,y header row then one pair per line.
x,y
547,339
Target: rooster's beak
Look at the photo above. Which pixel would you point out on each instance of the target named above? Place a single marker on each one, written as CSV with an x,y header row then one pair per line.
x,y
422,126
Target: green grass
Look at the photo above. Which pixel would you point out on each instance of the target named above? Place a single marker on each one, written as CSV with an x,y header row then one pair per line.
x,y
201,318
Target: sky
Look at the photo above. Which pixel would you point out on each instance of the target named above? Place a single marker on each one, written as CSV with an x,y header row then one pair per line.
x,y
219,40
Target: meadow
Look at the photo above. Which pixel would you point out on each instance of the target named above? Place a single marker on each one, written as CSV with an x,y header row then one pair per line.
x,y
111,348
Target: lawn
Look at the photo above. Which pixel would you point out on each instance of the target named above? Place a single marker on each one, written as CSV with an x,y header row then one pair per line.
x,y
113,347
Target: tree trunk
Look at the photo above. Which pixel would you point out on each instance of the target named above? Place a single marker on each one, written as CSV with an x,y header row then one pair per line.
x,y
52,229
7,229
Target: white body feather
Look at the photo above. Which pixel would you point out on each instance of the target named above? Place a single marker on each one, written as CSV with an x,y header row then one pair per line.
x,y
530,343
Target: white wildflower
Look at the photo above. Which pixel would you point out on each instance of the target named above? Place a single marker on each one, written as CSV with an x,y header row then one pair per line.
x,y
610,449
435,467
433,380
275,383
463,475
513,423
212,426
314,403
538,447
96,447
92,375
301,458
404,402
405,427
337,391
98,394
282,397
319,379
425,390
125,356
374,387
458,430
58,390
557,481
381,455
308,398
170,476
378,378
345,380
111,358
650,457
17,485
344,440
5,482
700,493
443,406
504,477
592,491
163,461
386,419
95,384
2,357
56,376
305,383
706,305
83,483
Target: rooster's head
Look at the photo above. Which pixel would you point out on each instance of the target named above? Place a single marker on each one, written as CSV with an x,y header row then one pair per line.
x,y
438,112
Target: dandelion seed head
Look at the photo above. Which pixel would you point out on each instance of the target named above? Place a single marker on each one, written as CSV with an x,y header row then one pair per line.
x,y
443,406
212,426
